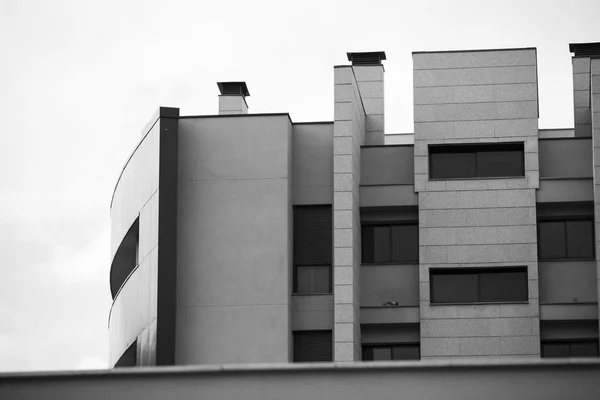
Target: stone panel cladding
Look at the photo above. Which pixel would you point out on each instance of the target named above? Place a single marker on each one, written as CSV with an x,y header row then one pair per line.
x,y
371,90
581,96
477,97
595,112
349,135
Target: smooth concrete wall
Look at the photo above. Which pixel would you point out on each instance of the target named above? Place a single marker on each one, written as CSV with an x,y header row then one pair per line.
x,y
565,190
371,89
387,165
348,136
312,312
568,282
389,283
467,97
566,158
234,240
388,196
390,333
312,146
556,133
492,380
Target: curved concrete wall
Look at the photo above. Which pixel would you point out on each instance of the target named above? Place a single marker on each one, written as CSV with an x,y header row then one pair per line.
x,y
137,302
234,246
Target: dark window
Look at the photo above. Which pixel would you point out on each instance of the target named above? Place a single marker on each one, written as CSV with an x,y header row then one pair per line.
x,y
387,352
129,358
478,285
570,348
390,243
476,161
562,239
311,346
313,249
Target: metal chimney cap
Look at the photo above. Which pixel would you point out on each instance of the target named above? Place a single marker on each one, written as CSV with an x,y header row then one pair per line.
x,y
233,88
366,58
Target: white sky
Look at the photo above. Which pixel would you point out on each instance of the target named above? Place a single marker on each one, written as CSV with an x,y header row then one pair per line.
x,y
79,80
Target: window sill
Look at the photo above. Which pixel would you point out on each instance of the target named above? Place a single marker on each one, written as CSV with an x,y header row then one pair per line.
x,y
476,178
312,294
479,303
565,259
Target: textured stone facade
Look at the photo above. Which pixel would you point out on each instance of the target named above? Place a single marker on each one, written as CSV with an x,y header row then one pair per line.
x,y
477,97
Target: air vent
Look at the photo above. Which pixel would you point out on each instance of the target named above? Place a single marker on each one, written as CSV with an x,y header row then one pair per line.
x,y
585,49
366,58
233,88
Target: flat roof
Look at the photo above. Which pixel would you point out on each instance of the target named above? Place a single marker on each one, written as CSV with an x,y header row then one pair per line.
x,y
473,51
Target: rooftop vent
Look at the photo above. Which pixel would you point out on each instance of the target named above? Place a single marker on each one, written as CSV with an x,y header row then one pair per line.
x,y
585,49
233,88
366,58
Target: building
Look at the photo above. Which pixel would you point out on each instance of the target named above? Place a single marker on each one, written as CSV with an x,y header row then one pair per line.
x,y
248,238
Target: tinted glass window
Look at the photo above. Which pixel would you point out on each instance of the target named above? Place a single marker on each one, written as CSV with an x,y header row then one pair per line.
x,y
453,288
500,163
391,352
381,243
453,165
473,285
503,286
552,240
313,279
563,239
555,350
584,349
580,239
476,161
390,243
572,348
405,243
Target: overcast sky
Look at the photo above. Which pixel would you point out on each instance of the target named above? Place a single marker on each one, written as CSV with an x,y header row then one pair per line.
x,y
79,80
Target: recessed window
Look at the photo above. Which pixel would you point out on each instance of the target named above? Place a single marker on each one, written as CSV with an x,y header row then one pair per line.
x,y
313,346
570,348
390,243
388,352
479,285
493,160
566,239
313,249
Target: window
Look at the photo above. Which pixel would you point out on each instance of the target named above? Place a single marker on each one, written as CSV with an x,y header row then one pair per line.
x,y
390,243
478,285
313,249
491,160
570,348
311,346
387,352
566,239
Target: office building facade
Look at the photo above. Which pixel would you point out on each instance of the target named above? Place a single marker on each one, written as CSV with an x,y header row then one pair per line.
x,y
248,238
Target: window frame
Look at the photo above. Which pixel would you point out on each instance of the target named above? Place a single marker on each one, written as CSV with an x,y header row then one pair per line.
x,y
390,345
477,271
389,224
564,220
569,342
474,148
295,280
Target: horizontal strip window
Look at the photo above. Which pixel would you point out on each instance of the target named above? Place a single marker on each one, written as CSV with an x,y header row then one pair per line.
x,y
478,285
468,161
389,352
566,239
570,348
312,279
392,243
313,346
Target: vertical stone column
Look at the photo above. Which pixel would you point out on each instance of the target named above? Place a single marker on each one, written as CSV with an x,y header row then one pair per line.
x,y
595,119
463,98
371,87
581,96
349,134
